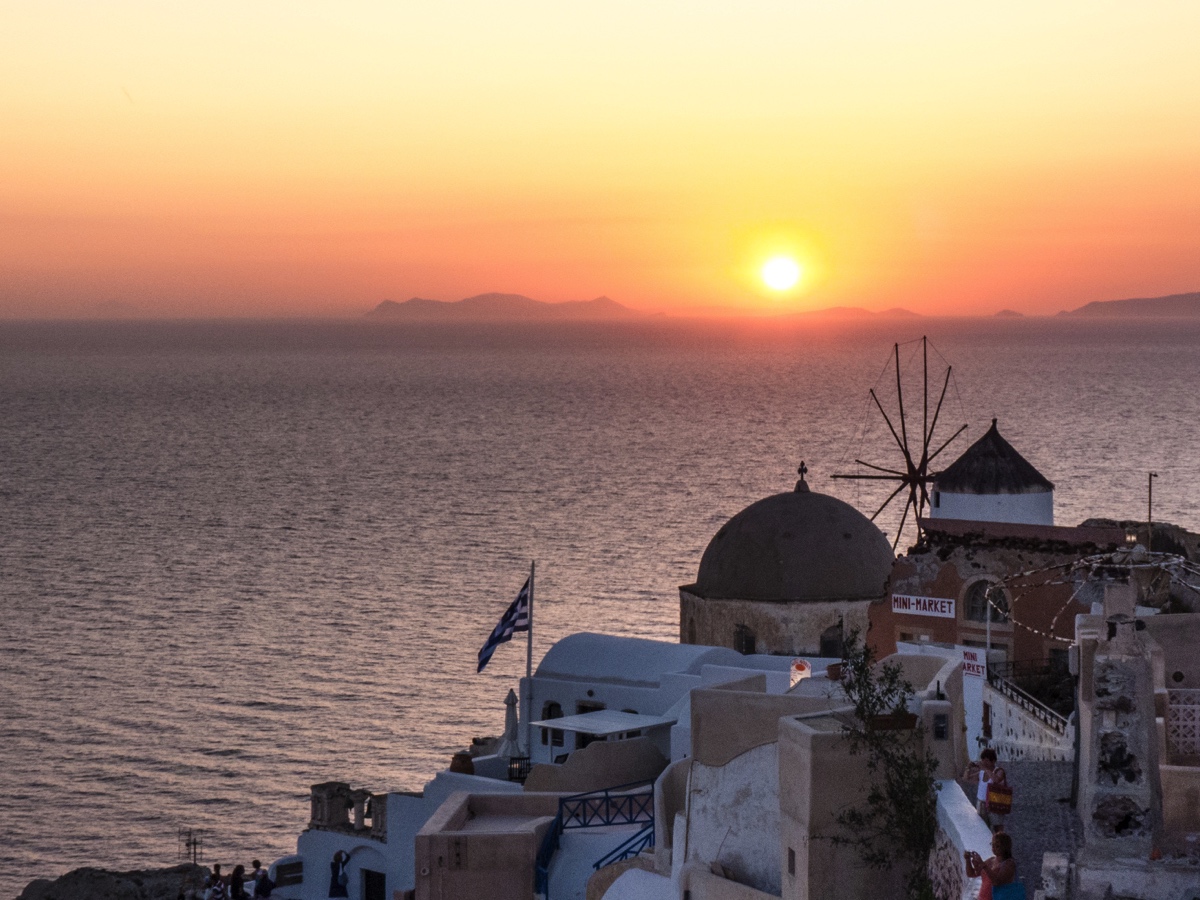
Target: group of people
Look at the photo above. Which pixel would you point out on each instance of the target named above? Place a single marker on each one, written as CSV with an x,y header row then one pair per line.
x,y
997,873
237,885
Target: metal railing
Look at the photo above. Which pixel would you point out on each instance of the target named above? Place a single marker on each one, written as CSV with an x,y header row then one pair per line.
x,y
628,849
1023,699
611,806
620,805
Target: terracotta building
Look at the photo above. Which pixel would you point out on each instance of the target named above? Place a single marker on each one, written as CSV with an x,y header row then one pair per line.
x,y
998,583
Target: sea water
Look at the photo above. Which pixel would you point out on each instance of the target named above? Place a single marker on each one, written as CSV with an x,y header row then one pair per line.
x,y
239,559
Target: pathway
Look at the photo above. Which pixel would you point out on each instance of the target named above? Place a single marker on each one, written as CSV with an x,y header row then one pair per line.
x,y
1042,820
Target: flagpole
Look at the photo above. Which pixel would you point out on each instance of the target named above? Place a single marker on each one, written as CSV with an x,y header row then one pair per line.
x,y
529,671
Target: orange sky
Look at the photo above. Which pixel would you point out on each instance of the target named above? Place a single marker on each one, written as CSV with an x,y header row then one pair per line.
x,y
272,158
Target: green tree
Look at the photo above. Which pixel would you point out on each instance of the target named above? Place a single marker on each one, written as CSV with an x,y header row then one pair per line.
x,y
896,824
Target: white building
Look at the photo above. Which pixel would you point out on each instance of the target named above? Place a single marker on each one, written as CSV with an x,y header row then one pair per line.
x,y
992,482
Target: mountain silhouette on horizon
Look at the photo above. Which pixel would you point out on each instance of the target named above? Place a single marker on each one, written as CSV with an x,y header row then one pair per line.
x,y
500,307
1172,305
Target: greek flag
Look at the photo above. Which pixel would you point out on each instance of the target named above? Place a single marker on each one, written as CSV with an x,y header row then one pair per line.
x,y
515,618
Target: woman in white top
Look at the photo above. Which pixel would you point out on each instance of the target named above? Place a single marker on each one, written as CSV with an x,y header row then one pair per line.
x,y
985,773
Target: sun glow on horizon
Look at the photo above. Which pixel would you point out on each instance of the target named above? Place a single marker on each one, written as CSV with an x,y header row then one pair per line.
x,y
233,159
781,273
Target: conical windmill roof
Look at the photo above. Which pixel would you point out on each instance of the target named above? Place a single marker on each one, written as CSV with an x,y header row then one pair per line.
x,y
992,466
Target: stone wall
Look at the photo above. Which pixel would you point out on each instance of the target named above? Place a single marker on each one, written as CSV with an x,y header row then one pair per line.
x,y
792,628
1119,792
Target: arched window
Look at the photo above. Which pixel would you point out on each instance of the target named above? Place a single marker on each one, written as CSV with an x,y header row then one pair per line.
x,y
976,603
552,736
831,641
743,639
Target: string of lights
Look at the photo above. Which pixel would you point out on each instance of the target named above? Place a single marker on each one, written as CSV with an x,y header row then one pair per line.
x,y
1080,572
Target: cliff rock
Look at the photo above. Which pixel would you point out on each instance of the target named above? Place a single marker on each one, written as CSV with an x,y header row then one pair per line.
x,y
99,884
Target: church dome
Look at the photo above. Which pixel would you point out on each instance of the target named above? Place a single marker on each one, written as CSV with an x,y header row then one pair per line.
x,y
796,546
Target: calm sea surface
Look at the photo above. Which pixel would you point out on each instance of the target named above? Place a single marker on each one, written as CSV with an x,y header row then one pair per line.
x,y
238,559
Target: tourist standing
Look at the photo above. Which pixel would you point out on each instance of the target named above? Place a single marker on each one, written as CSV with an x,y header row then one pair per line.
x,y
263,885
237,883
338,877
986,774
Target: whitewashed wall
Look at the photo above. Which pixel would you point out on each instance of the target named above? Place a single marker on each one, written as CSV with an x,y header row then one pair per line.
x,y
733,817
1017,734
1024,509
959,829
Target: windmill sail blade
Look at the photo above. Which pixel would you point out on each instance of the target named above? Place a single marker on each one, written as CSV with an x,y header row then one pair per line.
x,y
903,519
938,409
880,468
904,478
900,399
887,501
947,444
915,473
899,443
924,397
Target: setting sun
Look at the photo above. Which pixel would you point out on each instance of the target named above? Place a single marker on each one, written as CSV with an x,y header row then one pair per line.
x,y
780,273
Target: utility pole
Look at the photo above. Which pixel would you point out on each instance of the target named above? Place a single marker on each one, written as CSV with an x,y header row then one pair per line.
x,y
1150,511
190,841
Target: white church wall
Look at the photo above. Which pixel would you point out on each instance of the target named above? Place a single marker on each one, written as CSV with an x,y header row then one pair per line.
x,y
317,847
648,700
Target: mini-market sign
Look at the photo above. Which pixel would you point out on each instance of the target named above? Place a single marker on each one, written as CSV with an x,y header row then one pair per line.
x,y
909,605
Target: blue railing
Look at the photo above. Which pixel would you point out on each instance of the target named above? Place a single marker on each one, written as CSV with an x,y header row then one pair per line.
x,y
608,807
628,849
620,805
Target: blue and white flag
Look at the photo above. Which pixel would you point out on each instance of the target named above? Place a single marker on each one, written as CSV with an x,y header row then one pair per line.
x,y
515,618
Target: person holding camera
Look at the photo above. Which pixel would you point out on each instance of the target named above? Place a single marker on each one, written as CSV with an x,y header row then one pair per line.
x,y
998,872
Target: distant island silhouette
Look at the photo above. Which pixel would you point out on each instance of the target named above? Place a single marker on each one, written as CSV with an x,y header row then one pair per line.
x,y
501,307
498,307
1008,314
1173,305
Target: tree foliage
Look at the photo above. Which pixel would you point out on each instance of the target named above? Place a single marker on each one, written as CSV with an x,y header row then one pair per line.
x,y
896,824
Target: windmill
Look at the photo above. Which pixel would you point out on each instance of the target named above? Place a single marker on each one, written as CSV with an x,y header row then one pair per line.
x,y
915,475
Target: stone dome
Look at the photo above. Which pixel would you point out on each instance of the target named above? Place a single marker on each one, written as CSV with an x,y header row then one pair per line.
x,y
796,546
